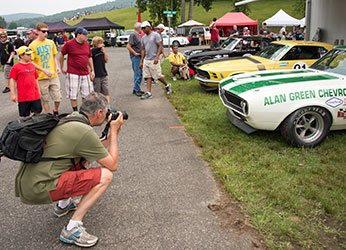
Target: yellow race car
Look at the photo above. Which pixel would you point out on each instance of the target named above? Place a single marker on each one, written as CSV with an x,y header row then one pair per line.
x,y
278,55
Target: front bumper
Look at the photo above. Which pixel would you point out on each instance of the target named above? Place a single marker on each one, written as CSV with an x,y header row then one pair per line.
x,y
240,123
207,83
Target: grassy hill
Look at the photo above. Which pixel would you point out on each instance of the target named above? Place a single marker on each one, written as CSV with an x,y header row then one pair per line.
x,y
260,10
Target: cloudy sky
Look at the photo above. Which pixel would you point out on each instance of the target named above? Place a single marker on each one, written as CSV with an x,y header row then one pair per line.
x,y
45,7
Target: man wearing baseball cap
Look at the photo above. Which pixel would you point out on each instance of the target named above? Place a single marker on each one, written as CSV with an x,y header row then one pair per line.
x,y
32,35
79,65
151,50
161,28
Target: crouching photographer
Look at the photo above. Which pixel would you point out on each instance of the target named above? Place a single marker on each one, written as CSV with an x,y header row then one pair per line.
x,y
59,180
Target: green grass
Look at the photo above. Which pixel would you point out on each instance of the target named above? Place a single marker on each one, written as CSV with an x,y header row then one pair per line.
x,y
291,194
260,10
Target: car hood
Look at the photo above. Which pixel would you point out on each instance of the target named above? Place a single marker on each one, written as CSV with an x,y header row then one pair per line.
x,y
275,79
237,64
198,51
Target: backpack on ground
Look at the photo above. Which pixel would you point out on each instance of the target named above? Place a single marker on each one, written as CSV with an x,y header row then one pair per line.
x,y
23,139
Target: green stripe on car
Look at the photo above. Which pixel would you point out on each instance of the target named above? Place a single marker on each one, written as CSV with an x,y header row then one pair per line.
x,y
267,74
259,84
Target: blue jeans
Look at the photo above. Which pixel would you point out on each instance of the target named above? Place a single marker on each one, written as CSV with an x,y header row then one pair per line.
x,y
137,73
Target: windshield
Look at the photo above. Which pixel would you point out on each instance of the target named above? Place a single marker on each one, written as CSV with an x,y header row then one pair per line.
x,y
229,43
272,52
334,61
127,32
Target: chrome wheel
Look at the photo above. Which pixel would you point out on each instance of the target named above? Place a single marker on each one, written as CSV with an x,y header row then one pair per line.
x,y
309,127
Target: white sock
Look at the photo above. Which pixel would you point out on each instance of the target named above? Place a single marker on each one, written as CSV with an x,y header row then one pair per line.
x,y
64,203
149,93
72,223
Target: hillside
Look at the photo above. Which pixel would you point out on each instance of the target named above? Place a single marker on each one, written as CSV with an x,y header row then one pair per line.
x,y
14,17
260,10
99,8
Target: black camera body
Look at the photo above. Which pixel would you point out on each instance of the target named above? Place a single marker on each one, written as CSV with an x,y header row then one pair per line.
x,y
115,114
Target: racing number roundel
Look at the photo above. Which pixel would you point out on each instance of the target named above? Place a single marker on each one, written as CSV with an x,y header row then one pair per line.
x,y
300,65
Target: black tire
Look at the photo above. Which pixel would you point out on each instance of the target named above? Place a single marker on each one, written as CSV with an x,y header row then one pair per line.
x,y
119,44
306,127
176,43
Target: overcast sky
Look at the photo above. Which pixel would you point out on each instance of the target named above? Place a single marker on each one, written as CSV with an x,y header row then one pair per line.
x,y
43,6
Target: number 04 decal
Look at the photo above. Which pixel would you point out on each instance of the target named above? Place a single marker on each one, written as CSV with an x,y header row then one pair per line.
x,y
300,65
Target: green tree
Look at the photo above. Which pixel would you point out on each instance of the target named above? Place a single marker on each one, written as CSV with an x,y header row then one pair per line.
x,y
242,8
182,15
2,22
12,25
206,4
156,8
299,7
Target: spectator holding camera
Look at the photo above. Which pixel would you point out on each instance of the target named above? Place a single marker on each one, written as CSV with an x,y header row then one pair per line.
x,y
49,181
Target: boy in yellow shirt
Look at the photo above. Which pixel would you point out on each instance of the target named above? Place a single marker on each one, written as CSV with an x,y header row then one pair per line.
x,y
46,62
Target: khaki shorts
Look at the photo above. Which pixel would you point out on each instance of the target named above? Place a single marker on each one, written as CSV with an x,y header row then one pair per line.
x,y
7,69
50,87
77,83
101,85
151,70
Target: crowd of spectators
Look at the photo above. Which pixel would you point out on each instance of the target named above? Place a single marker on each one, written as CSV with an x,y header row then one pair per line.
x,y
79,14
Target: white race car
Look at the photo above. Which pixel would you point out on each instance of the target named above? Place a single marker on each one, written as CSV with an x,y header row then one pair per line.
x,y
303,104
175,40
123,39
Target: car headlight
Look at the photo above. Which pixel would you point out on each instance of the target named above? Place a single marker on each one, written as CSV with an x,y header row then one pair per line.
x,y
244,106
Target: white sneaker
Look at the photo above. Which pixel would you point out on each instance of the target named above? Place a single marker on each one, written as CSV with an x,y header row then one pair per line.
x,y
174,78
168,88
78,236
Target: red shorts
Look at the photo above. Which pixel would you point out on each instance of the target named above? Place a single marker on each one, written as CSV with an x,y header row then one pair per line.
x,y
75,183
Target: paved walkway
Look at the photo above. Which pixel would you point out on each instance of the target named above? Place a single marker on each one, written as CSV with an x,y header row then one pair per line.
x,y
158,198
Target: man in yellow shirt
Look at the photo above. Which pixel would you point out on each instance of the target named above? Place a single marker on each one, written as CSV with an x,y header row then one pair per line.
x,y
46,62
177,61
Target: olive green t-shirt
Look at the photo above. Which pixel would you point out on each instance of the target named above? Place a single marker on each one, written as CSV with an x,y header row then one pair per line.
x,y
69,140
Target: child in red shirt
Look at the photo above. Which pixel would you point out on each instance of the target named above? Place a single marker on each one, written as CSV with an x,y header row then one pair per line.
x,y
25,75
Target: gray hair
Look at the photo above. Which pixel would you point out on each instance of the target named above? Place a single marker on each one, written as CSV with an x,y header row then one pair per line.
x,y
94,102
137,25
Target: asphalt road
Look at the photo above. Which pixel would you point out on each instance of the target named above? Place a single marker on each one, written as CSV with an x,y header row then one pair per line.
x,y
158,198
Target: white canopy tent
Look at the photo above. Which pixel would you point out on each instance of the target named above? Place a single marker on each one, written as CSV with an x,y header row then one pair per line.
x,y
302,22
190,23
281,18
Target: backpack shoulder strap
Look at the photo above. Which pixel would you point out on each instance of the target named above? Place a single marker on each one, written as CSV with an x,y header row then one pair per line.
x,y
64,119
74,119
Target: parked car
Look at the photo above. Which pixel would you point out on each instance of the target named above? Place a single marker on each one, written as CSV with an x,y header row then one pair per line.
x,y
303,104
278,55
234,46
177,40
123,39
199,30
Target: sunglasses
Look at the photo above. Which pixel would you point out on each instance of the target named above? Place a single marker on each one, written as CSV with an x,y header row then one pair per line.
x,y
26,50
44,31
2,36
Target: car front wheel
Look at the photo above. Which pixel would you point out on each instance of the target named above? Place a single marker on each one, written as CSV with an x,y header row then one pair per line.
x,y
307,127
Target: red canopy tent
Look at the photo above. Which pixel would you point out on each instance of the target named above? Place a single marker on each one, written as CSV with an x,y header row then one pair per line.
x,y
236,18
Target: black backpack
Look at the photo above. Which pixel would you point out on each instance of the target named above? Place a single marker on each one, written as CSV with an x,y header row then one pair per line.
x,y
23,139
